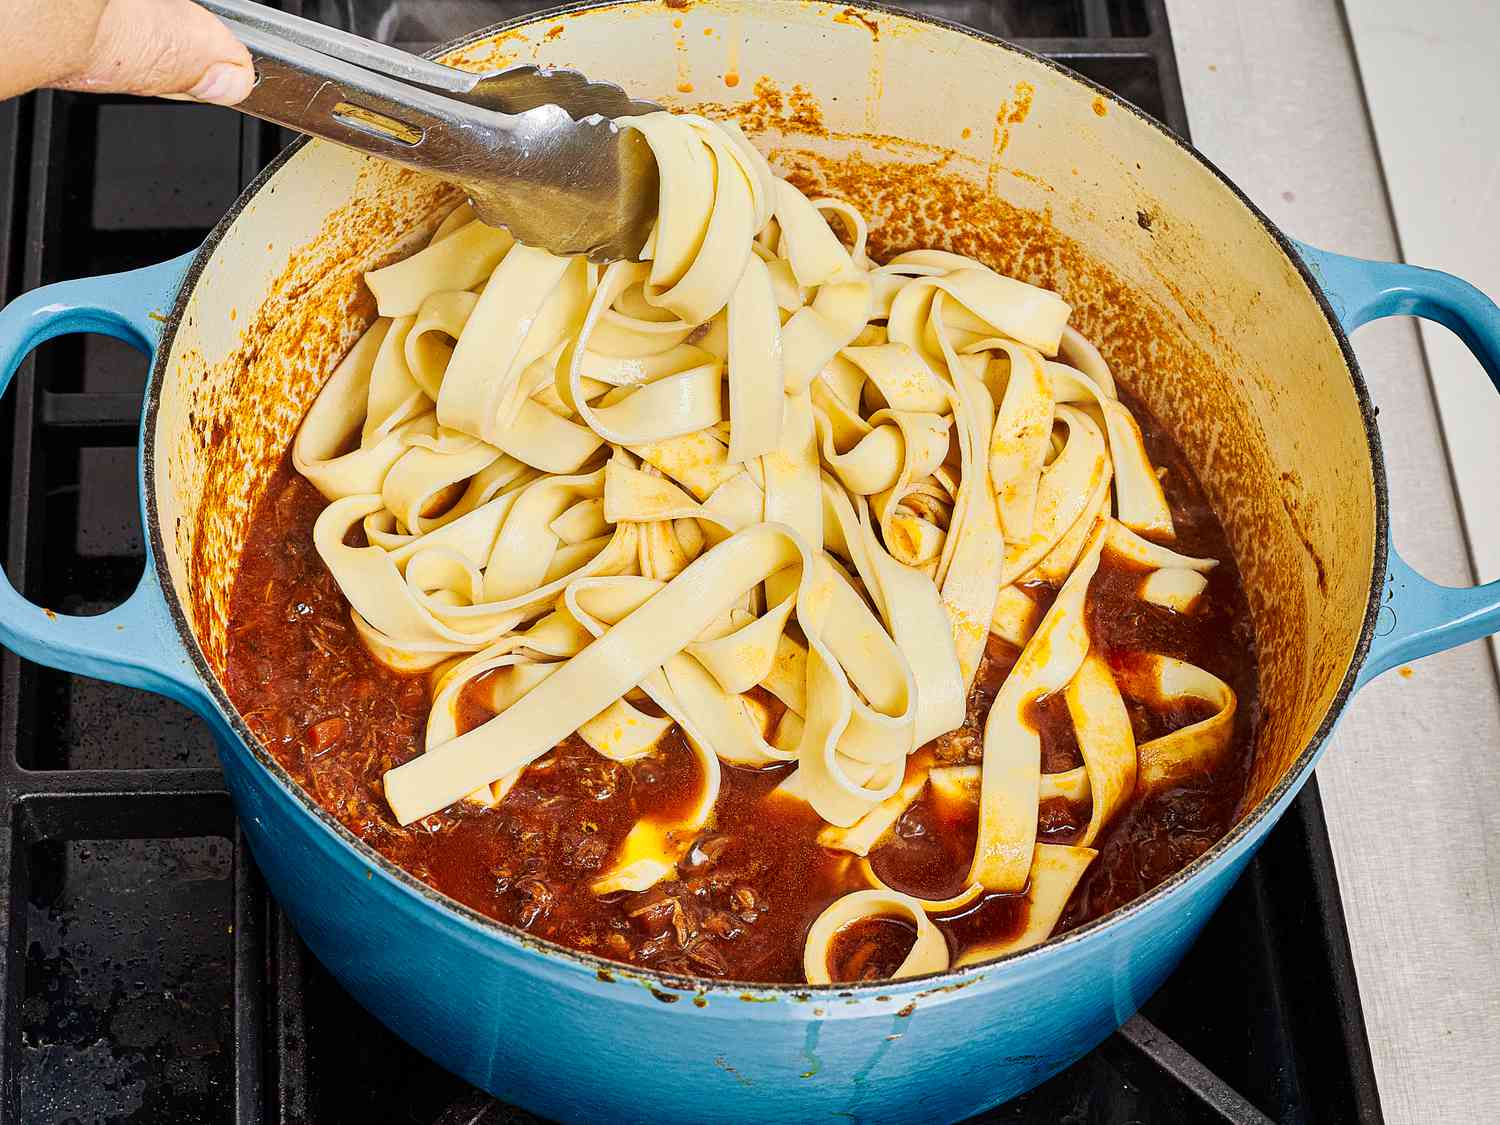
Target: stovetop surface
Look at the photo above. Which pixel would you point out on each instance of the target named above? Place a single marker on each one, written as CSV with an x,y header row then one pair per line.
x,y
148,977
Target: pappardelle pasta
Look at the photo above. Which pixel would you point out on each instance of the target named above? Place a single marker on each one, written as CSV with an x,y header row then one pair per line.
x,y
846,551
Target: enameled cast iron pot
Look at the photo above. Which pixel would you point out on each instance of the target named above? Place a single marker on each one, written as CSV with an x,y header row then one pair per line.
x,y
1233,334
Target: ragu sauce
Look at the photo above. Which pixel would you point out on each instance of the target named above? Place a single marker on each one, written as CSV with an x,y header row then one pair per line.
x,y
753,882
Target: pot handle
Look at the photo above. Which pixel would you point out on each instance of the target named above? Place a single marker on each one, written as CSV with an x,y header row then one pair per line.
x,y
1418,617
136,643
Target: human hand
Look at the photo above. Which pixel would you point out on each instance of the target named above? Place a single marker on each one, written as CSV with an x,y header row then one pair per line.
x,y
123,46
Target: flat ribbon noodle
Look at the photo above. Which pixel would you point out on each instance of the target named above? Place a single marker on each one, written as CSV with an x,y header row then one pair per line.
x,y
929,953
1011,779
1105,739
1188,753
1055,871
456,259
650,851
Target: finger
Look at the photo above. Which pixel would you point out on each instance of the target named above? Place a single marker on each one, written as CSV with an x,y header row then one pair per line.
x,y
165,47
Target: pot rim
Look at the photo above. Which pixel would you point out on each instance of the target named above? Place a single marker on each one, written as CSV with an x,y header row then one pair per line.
x,y
489,928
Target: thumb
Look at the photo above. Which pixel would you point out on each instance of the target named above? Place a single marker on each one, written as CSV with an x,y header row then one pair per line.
x,y
165,47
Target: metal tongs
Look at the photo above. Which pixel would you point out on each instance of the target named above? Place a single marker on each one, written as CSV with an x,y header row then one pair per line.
x,y
537,150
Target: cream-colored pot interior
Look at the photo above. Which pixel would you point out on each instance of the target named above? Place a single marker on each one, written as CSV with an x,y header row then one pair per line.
x,y
943,139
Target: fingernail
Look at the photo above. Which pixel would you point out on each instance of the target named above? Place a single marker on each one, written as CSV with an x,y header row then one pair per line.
x,y
224,84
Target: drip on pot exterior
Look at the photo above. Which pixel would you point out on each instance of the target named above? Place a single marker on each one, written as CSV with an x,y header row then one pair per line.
x,y
691,572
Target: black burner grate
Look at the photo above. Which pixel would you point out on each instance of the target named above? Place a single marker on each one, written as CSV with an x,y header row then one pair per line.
x,y
147,977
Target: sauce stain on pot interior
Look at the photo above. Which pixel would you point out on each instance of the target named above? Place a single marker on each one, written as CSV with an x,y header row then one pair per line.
x,y
245,408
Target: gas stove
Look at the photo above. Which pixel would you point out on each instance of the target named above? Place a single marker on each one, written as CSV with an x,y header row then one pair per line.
x,y
147,975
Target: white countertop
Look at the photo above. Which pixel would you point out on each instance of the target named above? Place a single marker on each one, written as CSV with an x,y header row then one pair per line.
x,y
1411,784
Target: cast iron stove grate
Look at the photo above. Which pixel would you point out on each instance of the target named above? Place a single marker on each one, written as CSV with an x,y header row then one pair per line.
x,y
148,978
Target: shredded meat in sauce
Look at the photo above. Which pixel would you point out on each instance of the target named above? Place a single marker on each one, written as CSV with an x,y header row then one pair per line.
x,y
749,888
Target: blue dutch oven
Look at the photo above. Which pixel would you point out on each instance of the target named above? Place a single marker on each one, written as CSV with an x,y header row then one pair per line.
x,y
1248,364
